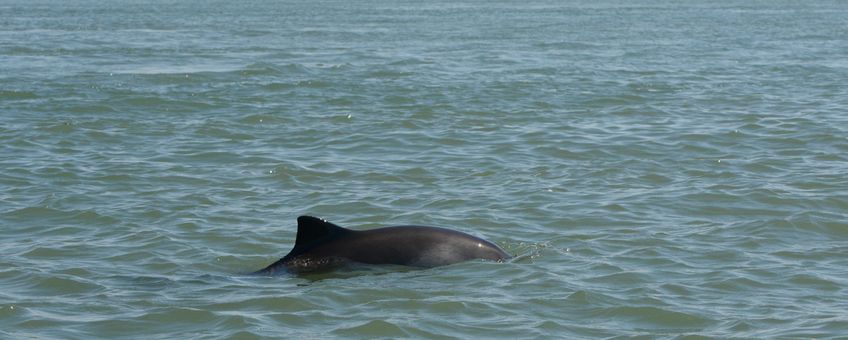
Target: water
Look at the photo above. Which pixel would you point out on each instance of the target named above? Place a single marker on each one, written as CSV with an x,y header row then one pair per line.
x,y
659,169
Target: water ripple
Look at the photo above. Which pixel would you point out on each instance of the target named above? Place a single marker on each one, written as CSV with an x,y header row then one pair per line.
x,y
677,180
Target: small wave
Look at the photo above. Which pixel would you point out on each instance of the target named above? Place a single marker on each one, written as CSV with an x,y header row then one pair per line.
x,y
656,318
64,285
388,74
17,95
411,62
376,328
269,69
179,72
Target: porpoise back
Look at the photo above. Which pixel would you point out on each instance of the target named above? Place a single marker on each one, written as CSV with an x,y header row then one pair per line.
x,y
321,245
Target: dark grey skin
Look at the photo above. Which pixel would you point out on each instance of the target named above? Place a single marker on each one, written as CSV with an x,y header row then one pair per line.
x,y
322,245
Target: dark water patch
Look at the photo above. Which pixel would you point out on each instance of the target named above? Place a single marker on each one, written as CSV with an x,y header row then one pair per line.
x,y
50,325
184,180
657,319
58,222
412,61
246,335
61,127
826,223
178,315
159,104
626,278
65,286
10,313
738,284
269,119
17,95
84,109
376,328
269,69
399,100
388,74
224,134
287,304
277,86
346,101
47,253
36,212
816,283
581,297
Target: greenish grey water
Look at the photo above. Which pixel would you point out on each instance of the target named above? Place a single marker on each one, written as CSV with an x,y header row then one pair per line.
x,y
659,169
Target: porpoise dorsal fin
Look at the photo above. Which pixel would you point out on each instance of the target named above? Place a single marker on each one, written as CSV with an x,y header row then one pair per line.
x,y
311,230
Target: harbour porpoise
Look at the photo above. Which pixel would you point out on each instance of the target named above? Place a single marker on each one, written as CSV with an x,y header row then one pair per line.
x,y
321,245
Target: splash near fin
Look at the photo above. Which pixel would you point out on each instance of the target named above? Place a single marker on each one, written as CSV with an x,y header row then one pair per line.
x,y
311,232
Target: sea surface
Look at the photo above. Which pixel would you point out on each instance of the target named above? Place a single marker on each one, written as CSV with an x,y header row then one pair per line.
x,y
659,169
